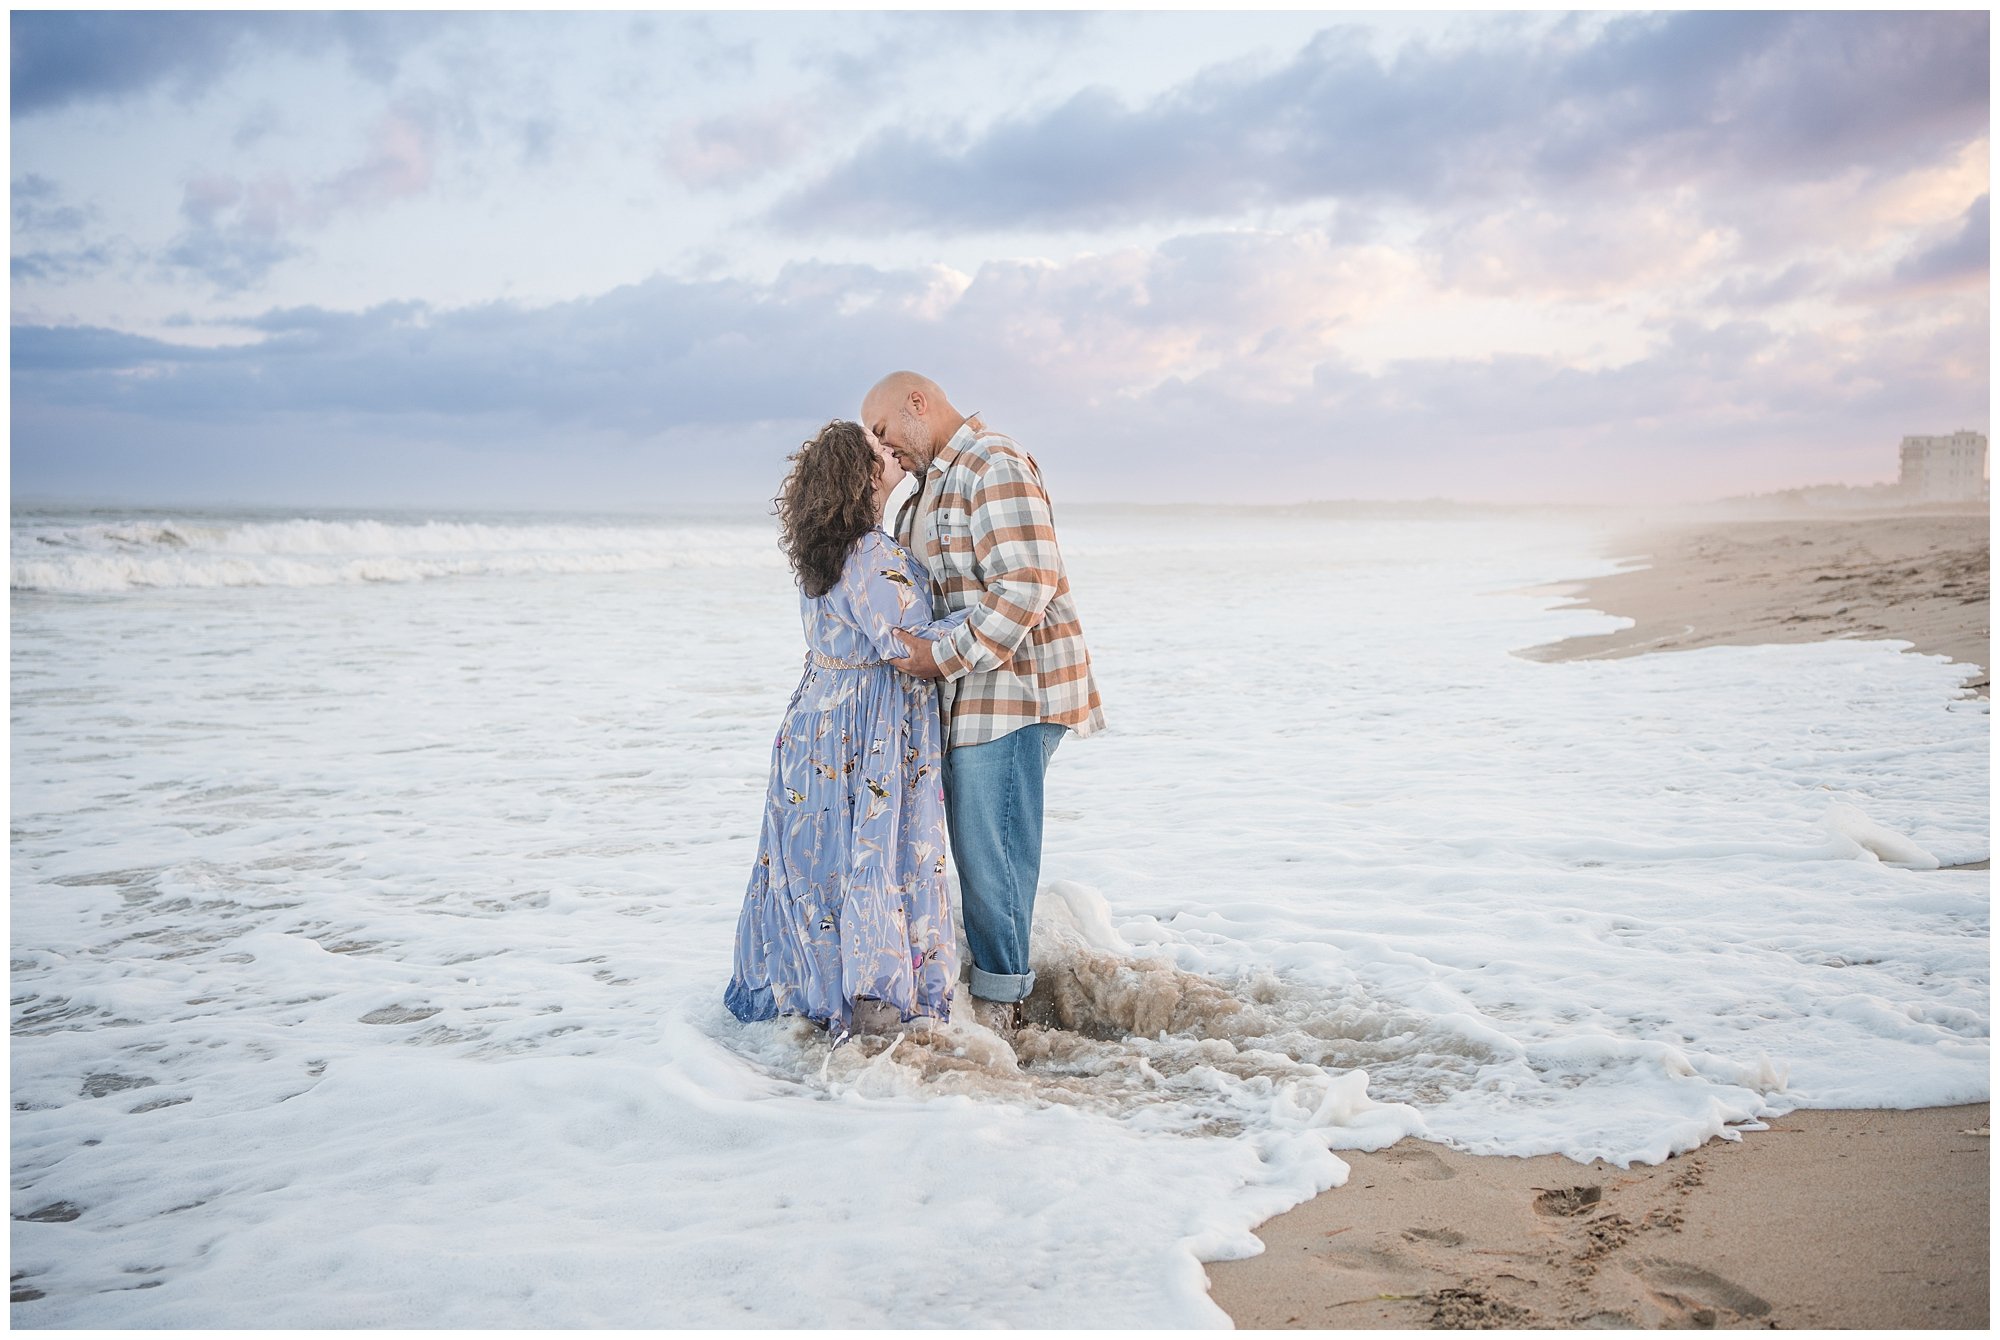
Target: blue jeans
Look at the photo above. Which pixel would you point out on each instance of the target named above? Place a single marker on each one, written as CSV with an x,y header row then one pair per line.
x,y
993,807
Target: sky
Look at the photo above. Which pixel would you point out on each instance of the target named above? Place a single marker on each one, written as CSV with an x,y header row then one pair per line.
x,y
513,259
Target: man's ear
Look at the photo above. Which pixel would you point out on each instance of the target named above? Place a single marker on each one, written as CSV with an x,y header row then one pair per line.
x,y
917,403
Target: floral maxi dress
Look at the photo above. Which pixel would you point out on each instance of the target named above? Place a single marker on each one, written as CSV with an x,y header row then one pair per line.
x,y
847,896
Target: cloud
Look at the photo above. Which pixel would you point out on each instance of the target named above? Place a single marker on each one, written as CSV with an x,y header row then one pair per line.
x,y
732,150
38,208
397,164
259,122
1648,104
56,228
62,349
535,139
708,51
1211,367
879,61
900,50
641,357
1959,257
60,58
60,265
1768,288
236,231
1573,250
1756,99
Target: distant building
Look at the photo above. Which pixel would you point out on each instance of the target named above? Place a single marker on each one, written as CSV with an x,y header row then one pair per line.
x,y
1944,469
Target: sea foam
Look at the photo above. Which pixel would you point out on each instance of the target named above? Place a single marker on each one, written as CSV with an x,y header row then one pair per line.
x,y
369,938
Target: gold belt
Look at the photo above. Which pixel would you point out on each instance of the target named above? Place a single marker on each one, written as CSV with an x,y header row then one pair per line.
x,y
825,662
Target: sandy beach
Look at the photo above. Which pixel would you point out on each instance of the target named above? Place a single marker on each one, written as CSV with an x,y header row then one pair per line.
x,y
1922,577
1828,1218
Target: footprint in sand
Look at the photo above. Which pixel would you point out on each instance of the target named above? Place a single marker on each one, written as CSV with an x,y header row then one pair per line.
x,y
1604,1319
1568,1202
1471,1308
1370,1256
1421,1163
1688,1290
1443,1237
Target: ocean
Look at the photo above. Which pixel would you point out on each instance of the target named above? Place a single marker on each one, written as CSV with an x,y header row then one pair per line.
x,y
375,875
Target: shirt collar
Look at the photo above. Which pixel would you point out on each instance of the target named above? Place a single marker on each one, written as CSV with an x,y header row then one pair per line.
x,y
960,440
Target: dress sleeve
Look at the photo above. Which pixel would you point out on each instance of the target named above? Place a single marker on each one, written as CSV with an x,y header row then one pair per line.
x,y
886,597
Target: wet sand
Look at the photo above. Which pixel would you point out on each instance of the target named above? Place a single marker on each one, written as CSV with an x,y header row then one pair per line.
x,y
1827,1219
1923,578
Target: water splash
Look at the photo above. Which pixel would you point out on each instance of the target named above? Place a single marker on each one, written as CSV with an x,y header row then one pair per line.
x,y
1132,1036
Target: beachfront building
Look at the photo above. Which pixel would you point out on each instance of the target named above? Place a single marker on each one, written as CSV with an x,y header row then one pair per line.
x,y
1945,469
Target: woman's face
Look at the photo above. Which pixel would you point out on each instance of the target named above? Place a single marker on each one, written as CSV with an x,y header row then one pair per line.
x,y
891,470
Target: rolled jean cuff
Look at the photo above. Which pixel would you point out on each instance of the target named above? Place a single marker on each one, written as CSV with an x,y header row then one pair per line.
x,y
1002,986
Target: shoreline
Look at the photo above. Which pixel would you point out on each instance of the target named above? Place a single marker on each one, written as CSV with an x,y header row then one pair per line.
x,y
1829,1218
1922,579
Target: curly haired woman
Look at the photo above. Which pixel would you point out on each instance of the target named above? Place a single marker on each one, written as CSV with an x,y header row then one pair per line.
x,y
846,920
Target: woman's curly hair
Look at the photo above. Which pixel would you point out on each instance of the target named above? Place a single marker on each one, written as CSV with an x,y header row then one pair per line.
x,y
827,502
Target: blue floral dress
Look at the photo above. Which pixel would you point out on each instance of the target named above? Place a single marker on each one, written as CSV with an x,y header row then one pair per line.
x,y
847,897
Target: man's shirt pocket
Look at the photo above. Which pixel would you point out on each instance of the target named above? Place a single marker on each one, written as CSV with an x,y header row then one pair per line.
x,y
954,534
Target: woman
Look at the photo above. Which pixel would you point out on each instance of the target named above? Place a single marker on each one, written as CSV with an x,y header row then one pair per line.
x,y
846,920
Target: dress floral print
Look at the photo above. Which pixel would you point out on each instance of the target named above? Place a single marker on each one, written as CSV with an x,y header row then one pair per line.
x,y
847,896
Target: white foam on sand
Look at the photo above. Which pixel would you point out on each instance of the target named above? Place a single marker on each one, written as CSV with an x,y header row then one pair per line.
x,y
368,940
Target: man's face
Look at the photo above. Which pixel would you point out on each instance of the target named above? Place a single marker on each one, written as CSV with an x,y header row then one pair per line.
x,y
899,428
888,470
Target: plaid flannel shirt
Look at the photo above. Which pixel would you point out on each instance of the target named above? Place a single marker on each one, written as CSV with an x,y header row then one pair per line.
x,y
981,521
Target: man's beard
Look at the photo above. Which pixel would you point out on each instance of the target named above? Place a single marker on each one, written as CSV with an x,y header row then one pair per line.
x,y
918,434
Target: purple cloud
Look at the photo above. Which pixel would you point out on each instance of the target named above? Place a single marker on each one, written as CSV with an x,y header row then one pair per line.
x,y
1961,257
1651,103
38,207
65,57
737,148
1143,371
235,231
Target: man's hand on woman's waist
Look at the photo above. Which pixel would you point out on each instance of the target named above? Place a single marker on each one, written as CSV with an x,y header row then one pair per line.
x,y
921,661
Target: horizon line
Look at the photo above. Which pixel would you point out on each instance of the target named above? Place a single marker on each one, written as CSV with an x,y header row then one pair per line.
x,y
1779,497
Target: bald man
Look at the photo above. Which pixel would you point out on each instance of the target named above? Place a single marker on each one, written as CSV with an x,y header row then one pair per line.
x,y
1016,673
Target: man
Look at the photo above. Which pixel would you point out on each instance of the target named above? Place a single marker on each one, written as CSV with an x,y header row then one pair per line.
x,y
1016,674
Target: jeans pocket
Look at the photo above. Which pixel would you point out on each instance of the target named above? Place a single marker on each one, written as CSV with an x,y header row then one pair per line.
x,y
1052,735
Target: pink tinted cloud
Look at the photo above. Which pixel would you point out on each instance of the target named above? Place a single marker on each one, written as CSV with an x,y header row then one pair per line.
x,y
237,230
734,149
399,164
1212,366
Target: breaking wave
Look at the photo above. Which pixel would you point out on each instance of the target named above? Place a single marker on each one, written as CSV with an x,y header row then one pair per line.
x,y
168,553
